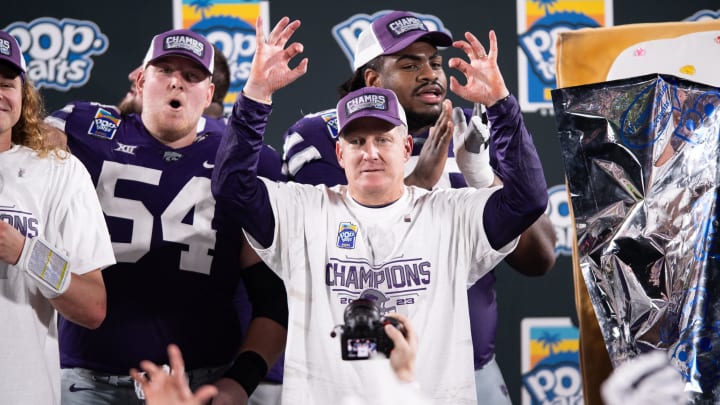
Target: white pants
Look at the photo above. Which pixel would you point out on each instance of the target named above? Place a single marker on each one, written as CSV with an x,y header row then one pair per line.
x,y
490,385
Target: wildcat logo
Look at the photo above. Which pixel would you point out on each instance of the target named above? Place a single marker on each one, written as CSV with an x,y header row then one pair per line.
x,y
346,235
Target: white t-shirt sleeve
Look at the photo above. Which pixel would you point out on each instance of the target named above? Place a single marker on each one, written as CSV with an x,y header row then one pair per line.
x,y
81,229
290,203
470,223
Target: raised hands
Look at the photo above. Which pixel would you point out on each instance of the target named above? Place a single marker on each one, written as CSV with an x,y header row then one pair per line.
x,y
161,388
270,70
485,84
434,152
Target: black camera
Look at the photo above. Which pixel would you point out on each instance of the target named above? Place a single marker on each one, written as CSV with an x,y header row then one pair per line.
x,y
363,334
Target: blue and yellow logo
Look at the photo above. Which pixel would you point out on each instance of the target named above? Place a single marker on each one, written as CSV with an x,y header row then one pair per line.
x,y
346,235
104,124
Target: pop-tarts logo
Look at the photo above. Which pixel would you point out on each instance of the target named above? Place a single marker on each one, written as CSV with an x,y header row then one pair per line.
x,y
558,210
704,15
346,32
550,363
58,52
185,42
347,233
331,123
540,22
5,47
235,38
104,124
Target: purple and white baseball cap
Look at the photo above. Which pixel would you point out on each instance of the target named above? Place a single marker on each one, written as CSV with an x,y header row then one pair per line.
x,y
392,33
10,52
374,102
182,42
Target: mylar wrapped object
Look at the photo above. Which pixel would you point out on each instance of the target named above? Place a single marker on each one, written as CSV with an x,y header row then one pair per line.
x,y
641,162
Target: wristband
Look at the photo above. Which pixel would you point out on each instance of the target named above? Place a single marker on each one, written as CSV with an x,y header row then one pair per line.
x,y
248,370
502,100
46,266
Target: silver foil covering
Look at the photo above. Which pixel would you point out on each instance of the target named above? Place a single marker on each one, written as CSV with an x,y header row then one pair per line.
x,y
641,162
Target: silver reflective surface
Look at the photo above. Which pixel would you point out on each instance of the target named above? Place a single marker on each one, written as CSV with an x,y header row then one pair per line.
x,y
641,161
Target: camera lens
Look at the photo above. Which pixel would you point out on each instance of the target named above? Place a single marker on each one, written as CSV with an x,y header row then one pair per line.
x,y
361,313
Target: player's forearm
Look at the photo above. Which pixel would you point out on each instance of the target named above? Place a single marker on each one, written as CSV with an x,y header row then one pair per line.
x,y
523,197
264,343
235,179
85,301
535,252
267,338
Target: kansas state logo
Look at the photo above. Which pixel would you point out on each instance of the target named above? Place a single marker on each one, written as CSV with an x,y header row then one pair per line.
x,y
346,235
59,51
381,300
346,32
104,124
558,210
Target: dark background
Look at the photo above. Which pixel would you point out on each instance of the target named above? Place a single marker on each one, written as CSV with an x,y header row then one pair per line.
x,y
129,26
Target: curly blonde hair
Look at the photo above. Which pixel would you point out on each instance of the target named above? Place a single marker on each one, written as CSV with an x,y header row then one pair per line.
x,y
31,130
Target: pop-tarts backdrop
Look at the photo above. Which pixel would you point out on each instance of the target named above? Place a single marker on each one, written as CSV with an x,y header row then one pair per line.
x,y
85,49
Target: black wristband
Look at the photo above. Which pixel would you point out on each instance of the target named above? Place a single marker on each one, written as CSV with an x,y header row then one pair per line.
x,y
501,101
248,370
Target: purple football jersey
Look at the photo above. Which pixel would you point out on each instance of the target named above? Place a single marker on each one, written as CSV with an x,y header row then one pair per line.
x,y
309,157
177,279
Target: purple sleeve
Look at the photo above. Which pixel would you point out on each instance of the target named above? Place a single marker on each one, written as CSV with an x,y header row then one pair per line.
x,y
235,180
523,198
320,172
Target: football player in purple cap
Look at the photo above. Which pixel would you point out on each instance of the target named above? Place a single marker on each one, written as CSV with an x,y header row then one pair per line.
x,y
53,241
418,247
179,253
398,52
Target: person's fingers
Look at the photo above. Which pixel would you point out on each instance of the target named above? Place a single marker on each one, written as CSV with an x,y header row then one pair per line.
x,y
259,34
396,336
275,36
442,124
409,330
465,47
177,365
458,89
493,45
287,32
205,393
477,49
137,376
150,368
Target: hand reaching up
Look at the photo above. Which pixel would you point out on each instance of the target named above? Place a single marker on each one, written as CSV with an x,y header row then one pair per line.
x,y
485,84
270,70
161,388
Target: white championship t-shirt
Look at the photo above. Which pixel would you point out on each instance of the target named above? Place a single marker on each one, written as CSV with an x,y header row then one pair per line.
x,y
416,256
53,199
